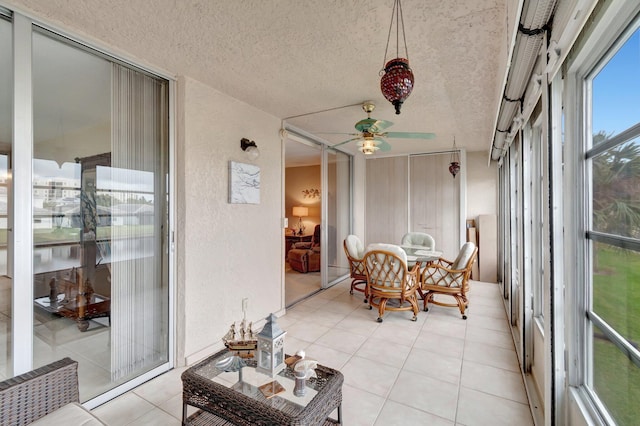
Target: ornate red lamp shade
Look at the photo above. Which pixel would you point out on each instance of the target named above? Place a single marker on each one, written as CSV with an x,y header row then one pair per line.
x,y
397,82
454,166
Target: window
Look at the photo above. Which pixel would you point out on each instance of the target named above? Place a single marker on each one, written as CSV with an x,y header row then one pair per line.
x,y
613,230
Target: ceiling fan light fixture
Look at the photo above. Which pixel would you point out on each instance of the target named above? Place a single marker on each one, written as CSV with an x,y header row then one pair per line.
x,y
368,146
396,82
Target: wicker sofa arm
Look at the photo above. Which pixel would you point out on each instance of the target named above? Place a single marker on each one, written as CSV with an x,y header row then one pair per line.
x,y
32,395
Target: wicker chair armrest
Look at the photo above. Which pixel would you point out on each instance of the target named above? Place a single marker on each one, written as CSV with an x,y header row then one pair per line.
x,y
443,262
447,268
32,395
413,276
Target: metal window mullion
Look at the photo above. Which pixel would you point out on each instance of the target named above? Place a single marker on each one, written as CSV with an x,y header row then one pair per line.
x,y
620,138
614,337
22,233
615,240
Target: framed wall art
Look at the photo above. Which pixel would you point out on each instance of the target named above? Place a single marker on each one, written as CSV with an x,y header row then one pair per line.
x,y
244,183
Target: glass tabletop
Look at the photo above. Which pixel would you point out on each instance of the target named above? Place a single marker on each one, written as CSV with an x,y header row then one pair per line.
x,y
248,382
420,253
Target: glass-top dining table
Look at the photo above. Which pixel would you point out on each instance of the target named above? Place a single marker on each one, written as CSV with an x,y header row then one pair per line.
x,y
420,254
422,257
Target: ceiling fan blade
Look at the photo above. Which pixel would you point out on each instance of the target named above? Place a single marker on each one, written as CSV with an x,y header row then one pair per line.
x,y
347,141
409,135
336,133
382,144
372,125
380,125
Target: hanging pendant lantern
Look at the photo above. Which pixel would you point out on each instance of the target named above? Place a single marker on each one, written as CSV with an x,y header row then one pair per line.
x,y
396,81
454,166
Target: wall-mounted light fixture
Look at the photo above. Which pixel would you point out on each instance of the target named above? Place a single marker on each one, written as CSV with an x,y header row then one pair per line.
x,y
250,148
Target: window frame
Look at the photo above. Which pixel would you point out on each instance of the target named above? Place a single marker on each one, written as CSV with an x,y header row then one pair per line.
x,y
611,26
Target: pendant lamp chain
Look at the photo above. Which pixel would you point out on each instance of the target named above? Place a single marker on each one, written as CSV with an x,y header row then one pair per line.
x,y
397,14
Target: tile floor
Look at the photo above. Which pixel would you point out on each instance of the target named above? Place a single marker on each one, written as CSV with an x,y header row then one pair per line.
x,y
439,370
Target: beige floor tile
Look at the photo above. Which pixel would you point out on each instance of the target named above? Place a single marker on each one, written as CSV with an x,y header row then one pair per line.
x,y
395,414
359,407
500,339
496,312
445,327
426,393
436,371
380,350
488,323
342,340
293,345
438,366
480,409
328,318
359,322
156,417
446,345
370,376
174,407
162,388
406,334
313,304
494,381
327,356
491,355
123,410
307,331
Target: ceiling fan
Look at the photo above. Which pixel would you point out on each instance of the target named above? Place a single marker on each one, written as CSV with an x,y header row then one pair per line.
x,y
372,134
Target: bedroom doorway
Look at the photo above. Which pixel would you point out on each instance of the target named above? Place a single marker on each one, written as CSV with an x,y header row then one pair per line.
x,y
303,209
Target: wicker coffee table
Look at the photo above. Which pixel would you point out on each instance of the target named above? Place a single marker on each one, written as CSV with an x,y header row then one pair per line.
x,y
233,398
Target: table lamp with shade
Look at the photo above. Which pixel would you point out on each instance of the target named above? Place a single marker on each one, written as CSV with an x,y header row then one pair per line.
x,y
300,212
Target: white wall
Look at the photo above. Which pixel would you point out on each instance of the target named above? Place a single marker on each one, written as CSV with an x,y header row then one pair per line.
x,y
482,185
225,251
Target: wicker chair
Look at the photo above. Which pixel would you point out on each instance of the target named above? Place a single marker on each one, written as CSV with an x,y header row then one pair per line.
x,y
450,278
389,278
418,239
47,395
354,250
422,240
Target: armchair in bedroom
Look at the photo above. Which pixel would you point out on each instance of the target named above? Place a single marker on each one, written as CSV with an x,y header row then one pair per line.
x,y
305,256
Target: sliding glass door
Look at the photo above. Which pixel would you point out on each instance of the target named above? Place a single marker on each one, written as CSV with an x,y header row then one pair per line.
x,y
6,130
338,213
86,180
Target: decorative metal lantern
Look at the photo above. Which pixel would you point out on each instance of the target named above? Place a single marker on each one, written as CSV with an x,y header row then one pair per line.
x,y
271,348
397,82
454,166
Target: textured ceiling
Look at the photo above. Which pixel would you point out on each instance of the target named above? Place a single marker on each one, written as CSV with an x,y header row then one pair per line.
x,y
292,57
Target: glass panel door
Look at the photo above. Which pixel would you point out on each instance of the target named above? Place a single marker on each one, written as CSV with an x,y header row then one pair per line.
x,y
6,129
338,213
100,283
